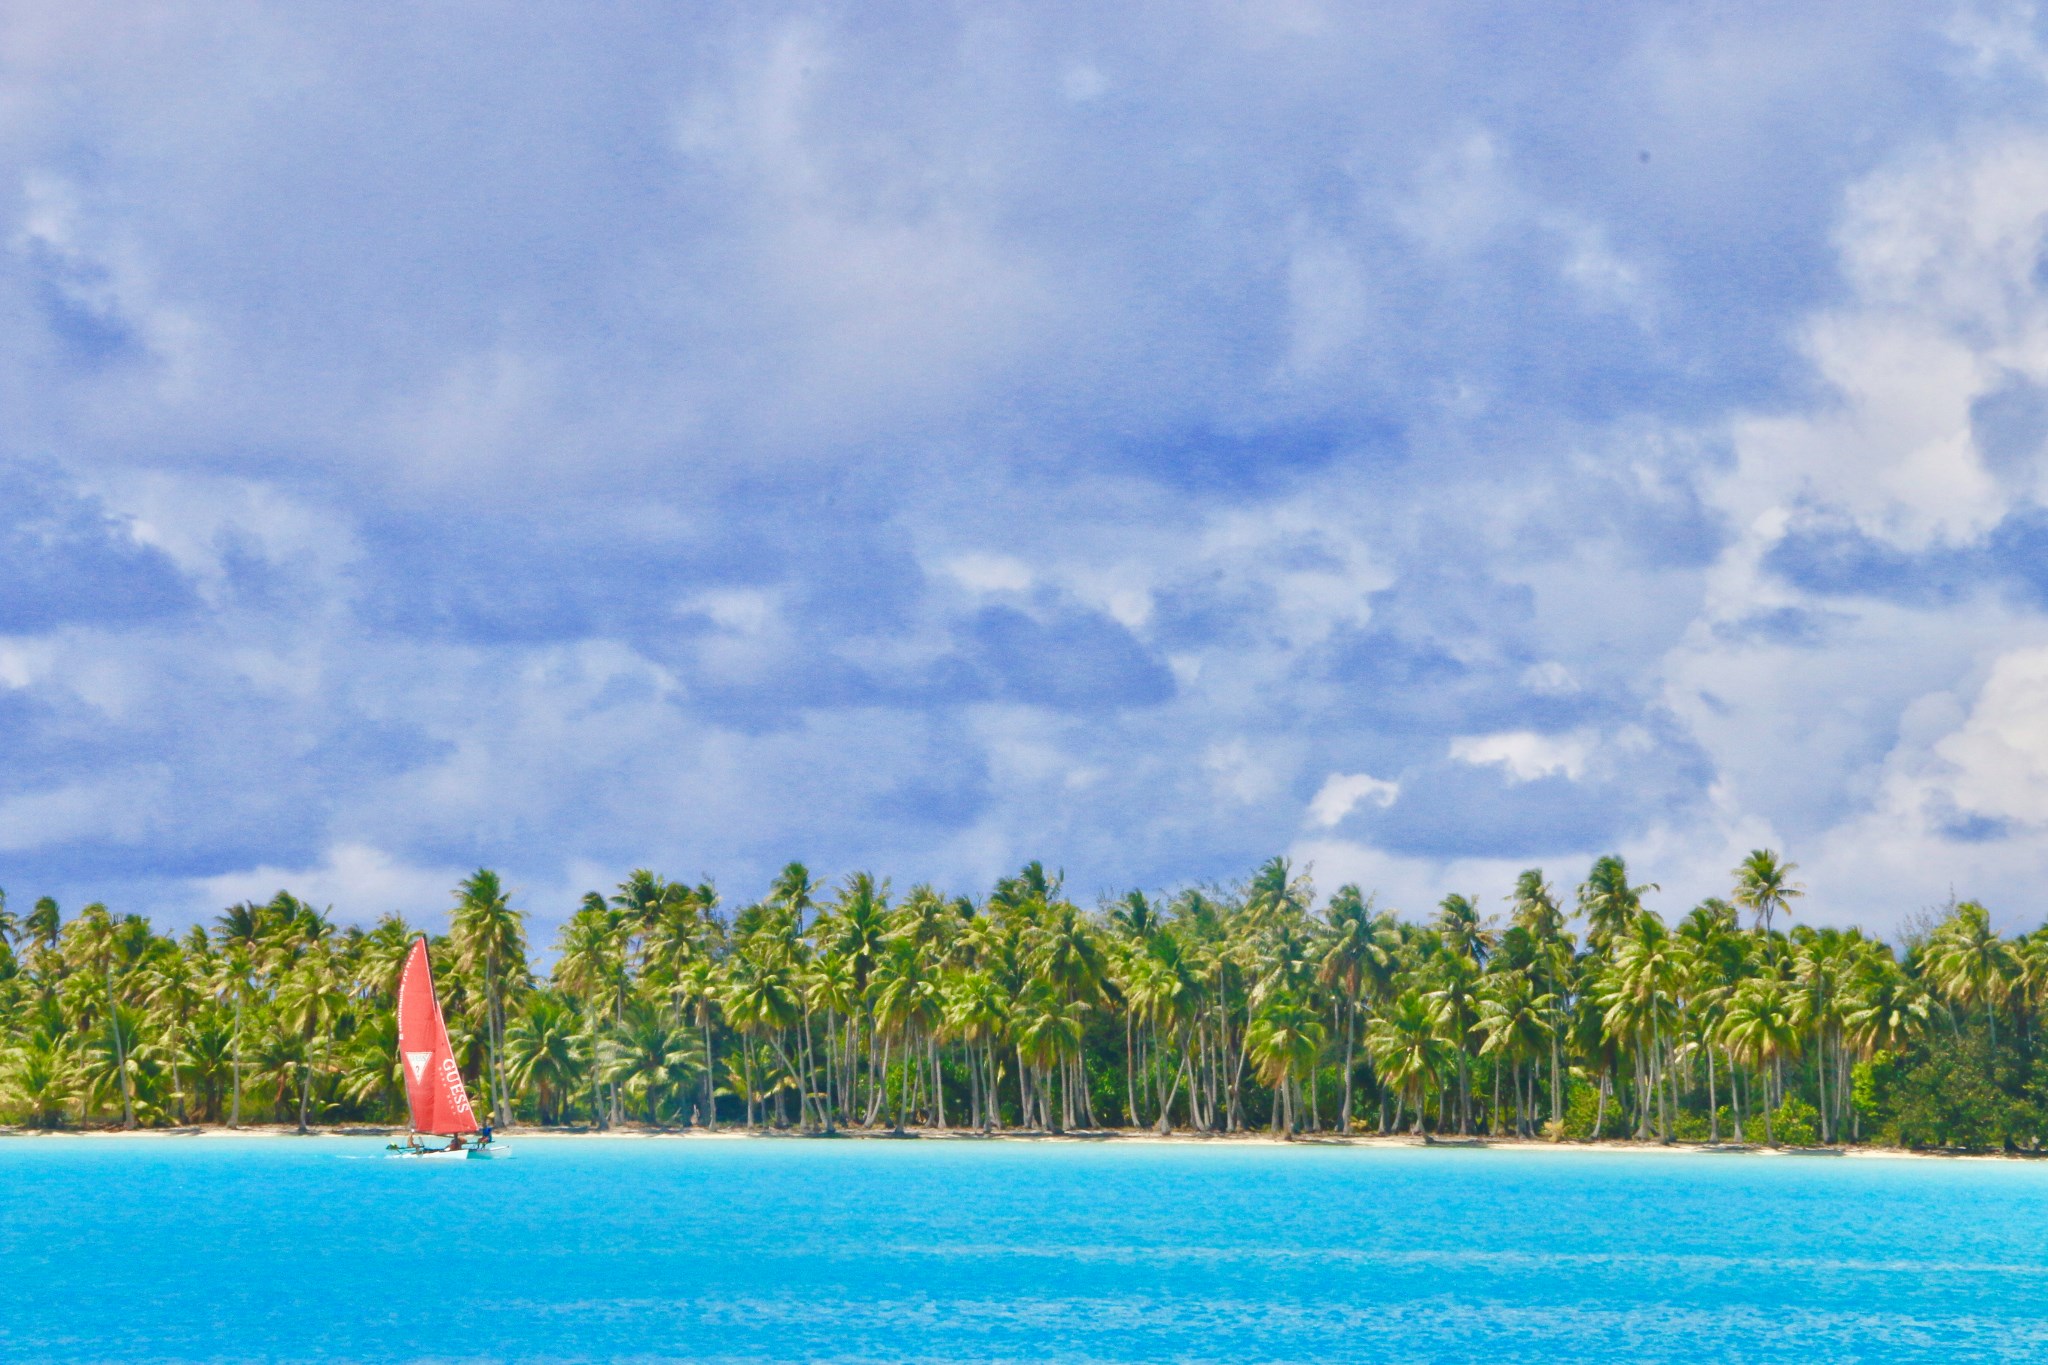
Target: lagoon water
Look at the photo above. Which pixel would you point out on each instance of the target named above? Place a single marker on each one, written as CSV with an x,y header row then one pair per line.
x,y
596,1250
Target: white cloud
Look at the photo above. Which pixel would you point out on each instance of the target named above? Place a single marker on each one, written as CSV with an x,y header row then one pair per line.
x,y
1999,756
1550,678
986,573
1241,772
1940,254
1083,82
1342,792
359,880
1526,755
1328,303
1406,884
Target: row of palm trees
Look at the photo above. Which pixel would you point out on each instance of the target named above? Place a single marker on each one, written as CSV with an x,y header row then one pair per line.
x,y
1218,1010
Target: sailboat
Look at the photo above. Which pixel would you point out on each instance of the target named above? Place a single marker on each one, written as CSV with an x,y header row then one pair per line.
x,y
434,1093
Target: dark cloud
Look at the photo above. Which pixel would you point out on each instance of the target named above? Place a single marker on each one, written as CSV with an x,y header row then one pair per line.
x,y
2009,424
1838,560
65,560
1835,559
1071,659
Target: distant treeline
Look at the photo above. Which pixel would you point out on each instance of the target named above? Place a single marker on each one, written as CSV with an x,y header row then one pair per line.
x,y
1214,1009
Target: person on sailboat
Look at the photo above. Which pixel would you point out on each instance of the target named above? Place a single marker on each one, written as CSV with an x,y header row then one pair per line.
x,y
483,1136
455,1142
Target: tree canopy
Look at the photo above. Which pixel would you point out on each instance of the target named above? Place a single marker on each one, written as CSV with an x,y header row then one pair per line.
x,y
1214,1009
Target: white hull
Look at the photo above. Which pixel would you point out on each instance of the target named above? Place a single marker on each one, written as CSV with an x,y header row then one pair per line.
x,y
497,1151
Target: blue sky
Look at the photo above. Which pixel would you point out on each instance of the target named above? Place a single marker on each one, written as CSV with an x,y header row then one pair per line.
x,y
1425,442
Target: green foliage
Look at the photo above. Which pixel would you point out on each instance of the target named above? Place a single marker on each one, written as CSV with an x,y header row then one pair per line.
x,y
1581,1109
1223,1009
1795,1123
1872,1086
1962,1093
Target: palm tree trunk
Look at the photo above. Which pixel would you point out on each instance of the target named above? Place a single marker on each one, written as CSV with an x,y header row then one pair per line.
x,y
878,1086
1556,1092
120,1054
1350,1038
710,1075
1713,1104
1130,1076
1820,1082
235,1114
1735,1095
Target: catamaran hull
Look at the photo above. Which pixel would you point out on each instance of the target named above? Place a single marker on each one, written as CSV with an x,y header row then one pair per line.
x,y
492,1153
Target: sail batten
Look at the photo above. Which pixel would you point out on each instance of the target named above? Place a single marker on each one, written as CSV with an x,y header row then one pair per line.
x,y
433,1082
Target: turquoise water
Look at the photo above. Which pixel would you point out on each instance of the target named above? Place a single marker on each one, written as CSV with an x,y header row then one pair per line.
x,y
594,1250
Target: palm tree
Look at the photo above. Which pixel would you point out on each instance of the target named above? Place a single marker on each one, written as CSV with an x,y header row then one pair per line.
x,y
975,1013
208,1058
545,1050
172,989
1608,902
41,1076
1518,1025
1463,932
1638,995
1712,959
1535,911
855,930
490,941
95,944
1357,959
1885,1009
310,999
1762,1029
658,1056
697,990
1409,1050
372,1072
1284,1040
763,1000
1048,1028
1066,954
1763,886
1454,996
592,968
1968,962
43,924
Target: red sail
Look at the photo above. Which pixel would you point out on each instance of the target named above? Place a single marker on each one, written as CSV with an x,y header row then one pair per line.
x,y
433,1083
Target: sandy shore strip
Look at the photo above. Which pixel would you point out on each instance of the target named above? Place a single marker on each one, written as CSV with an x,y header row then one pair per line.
x,y
1087,1138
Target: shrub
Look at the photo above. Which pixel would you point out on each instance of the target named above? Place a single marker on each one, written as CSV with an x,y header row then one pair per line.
x,y
1950,1100
1579,1109
1795,1123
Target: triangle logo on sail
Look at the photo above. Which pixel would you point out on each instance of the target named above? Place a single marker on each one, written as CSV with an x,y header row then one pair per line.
x,y
418,1062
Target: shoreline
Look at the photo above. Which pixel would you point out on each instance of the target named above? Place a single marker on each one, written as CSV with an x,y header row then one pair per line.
x,y
1110,1137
